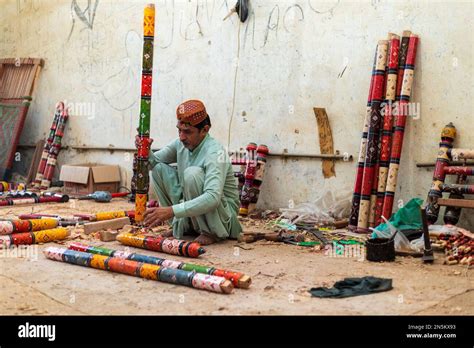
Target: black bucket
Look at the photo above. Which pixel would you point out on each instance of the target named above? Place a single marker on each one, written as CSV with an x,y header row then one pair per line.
x,y
380,249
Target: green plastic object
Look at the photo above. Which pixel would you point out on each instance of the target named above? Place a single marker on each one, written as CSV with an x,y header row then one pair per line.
x,y
406,218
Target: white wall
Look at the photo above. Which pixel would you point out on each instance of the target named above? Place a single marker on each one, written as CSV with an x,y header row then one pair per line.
x,y
288,60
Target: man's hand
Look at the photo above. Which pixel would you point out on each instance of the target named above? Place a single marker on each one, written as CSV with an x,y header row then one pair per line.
x,y
156,216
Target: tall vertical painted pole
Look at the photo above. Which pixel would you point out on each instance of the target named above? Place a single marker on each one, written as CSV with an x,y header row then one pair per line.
x,y
142,140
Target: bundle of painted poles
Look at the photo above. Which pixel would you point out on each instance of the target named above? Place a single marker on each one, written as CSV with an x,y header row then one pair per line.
x,y
51,149
239,280
446,154
250,176
384,127
47,197
33,231
141,269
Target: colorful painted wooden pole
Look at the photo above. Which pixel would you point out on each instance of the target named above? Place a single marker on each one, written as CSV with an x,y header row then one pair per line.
x,y
386,138
165,245
458,170
140,269
372,137
55,148
15,226
250,169
47,146
448,134
142,140
239,280
33,200
354,215
399,127
262,152
27,238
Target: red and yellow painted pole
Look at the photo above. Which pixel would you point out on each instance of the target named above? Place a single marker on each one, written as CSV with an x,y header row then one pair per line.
x,y
27,238
238,279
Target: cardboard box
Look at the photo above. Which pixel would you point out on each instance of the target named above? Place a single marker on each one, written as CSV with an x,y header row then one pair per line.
x,y
82,179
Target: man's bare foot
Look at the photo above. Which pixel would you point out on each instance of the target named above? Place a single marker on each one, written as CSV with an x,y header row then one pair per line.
x,y
205,239
167,234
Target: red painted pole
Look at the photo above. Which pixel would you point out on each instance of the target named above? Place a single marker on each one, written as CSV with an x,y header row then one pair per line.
x,y
372,137
399,128
354,215
391,91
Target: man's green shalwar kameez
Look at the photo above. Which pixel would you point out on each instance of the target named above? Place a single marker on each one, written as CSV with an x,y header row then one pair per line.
x,y
202,190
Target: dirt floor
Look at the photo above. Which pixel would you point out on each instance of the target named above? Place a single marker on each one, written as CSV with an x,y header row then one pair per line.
x,y
282,275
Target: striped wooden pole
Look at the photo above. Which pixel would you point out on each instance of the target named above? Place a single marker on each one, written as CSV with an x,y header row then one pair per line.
x,y
372,137
354,215
142,140
399,128
376,201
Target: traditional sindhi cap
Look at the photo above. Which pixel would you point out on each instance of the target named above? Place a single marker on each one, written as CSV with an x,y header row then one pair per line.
x,y
192,112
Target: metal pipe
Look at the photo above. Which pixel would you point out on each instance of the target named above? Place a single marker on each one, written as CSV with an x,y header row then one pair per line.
x,y
336,157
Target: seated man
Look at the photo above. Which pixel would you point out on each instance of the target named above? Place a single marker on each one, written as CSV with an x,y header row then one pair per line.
x,y
201,194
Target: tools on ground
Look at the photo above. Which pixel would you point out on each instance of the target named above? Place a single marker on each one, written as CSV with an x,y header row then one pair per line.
x,y
250,237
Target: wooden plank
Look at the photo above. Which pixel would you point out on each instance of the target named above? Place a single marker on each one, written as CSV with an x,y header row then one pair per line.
x,y
460,203
326,143
104,225
35,161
